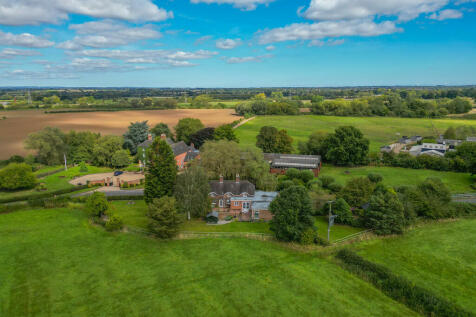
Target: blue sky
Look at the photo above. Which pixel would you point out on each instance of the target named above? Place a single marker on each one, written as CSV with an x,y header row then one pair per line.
x,y
237,43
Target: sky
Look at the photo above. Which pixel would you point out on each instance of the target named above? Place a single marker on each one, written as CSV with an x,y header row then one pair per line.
x,y
237,43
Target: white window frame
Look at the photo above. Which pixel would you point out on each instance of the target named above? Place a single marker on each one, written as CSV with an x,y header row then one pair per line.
x,y
236,203
220,203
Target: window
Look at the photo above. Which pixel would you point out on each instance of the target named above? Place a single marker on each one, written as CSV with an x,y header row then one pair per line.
x,y
246,205
256,214
236,203
220,203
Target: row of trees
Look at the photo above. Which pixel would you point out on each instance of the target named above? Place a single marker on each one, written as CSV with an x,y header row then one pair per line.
x,y
276,104
391,105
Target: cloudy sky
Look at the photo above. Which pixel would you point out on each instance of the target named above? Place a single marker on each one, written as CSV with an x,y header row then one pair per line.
x,y
237,43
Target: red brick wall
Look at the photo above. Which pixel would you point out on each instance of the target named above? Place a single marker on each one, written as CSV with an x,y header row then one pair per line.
x,y
179,159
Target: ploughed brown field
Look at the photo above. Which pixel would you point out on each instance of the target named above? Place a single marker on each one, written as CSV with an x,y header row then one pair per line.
x,y
19,124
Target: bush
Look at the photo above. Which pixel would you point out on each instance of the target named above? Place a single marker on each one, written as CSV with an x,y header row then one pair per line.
x,y
284,184
335,188
375,178
41,175
17,176
43,195
125,197
96,204
308,237
323,242
82,167
114,223
398,288
52,202
326,180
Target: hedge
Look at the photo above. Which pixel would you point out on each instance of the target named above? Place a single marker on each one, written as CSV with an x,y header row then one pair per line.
x,y
125,197
398,288
41,175
43,195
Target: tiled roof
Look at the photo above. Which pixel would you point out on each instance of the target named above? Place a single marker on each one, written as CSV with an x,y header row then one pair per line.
x,y
178,148
234,187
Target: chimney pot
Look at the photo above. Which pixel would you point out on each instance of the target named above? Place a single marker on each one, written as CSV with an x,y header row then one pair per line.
x,y
237,178
221,179
149,137
163,136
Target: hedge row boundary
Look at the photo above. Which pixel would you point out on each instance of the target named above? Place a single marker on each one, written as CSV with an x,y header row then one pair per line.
x,y
43,195
400,289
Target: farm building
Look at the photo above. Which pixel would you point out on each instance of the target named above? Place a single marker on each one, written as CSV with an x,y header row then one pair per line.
x,y
429,149
239,199
183,153
279,163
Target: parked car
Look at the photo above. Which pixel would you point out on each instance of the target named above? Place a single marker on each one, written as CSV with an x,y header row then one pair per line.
x,y
117,173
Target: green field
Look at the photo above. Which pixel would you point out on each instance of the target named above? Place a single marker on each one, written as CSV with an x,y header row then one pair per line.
x,y
440,257
54,263
396,176
56,181
379,130
135,215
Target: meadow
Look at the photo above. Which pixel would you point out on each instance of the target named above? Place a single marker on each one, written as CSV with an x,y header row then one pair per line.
x,y
18,124
53,262
379,130
397,176
440,257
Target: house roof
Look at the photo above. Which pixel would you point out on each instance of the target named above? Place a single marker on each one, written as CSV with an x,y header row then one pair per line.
x,y
471,139
178,148
212,214
262,200
432,153
293,160
234,187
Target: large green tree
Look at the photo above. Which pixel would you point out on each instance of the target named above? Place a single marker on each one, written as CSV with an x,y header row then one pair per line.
x,y
161,128
357,191
81,145
385,214
201,136
226,132
97,205
291,214
314,145
161,171
137,133
192,192
284,143
270,140
50,145
186,127
346,146
164,218
104,150
120,159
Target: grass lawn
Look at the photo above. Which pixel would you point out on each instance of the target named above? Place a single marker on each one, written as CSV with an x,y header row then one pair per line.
x,y
135,215
53,263
440,257
396,176
57,181
379,130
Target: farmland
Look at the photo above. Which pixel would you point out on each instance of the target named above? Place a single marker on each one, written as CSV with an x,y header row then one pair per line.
x,y
379,130
396,176
440,257
19,124
52,262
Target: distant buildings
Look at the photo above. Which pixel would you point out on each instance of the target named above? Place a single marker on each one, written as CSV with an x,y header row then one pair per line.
x,y
279,163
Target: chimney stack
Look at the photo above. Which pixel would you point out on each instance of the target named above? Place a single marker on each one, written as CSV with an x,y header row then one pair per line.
x,y
149,137
221,179
163,136
237,178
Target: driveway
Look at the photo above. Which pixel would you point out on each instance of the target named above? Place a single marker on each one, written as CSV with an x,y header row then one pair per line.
x,y
126,177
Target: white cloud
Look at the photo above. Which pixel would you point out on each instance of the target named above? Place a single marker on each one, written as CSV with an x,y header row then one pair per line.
x,y
202,39
446,14
167,57
246,59
24,39
361,9
12,53
23,12
241,4
228,44
320,30
330,42
107,33
270,48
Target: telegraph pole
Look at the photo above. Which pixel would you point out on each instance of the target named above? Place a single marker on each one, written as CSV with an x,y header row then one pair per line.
x,y
331,219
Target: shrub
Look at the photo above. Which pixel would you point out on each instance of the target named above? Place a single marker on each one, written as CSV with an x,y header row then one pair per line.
x,y
323,242
114,223
43,195
284,184
52,202
335,188
82,167
375,178
292,173
165,220
398,288
17,176
357,191
306,176
308,236
326,180
96,204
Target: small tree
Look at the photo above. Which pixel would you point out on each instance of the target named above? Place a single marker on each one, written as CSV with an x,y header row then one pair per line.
x,y
284,143
17,176
291,214
97,205
192,192
161,128
49,144
346,146
226,132
357,191
161,171
343,212
120,159
186,127
266,139
82,167
165,220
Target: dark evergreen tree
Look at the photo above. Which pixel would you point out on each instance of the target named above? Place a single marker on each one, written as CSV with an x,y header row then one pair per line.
x,y
136,134
165,220
161,171
192,192
201,136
